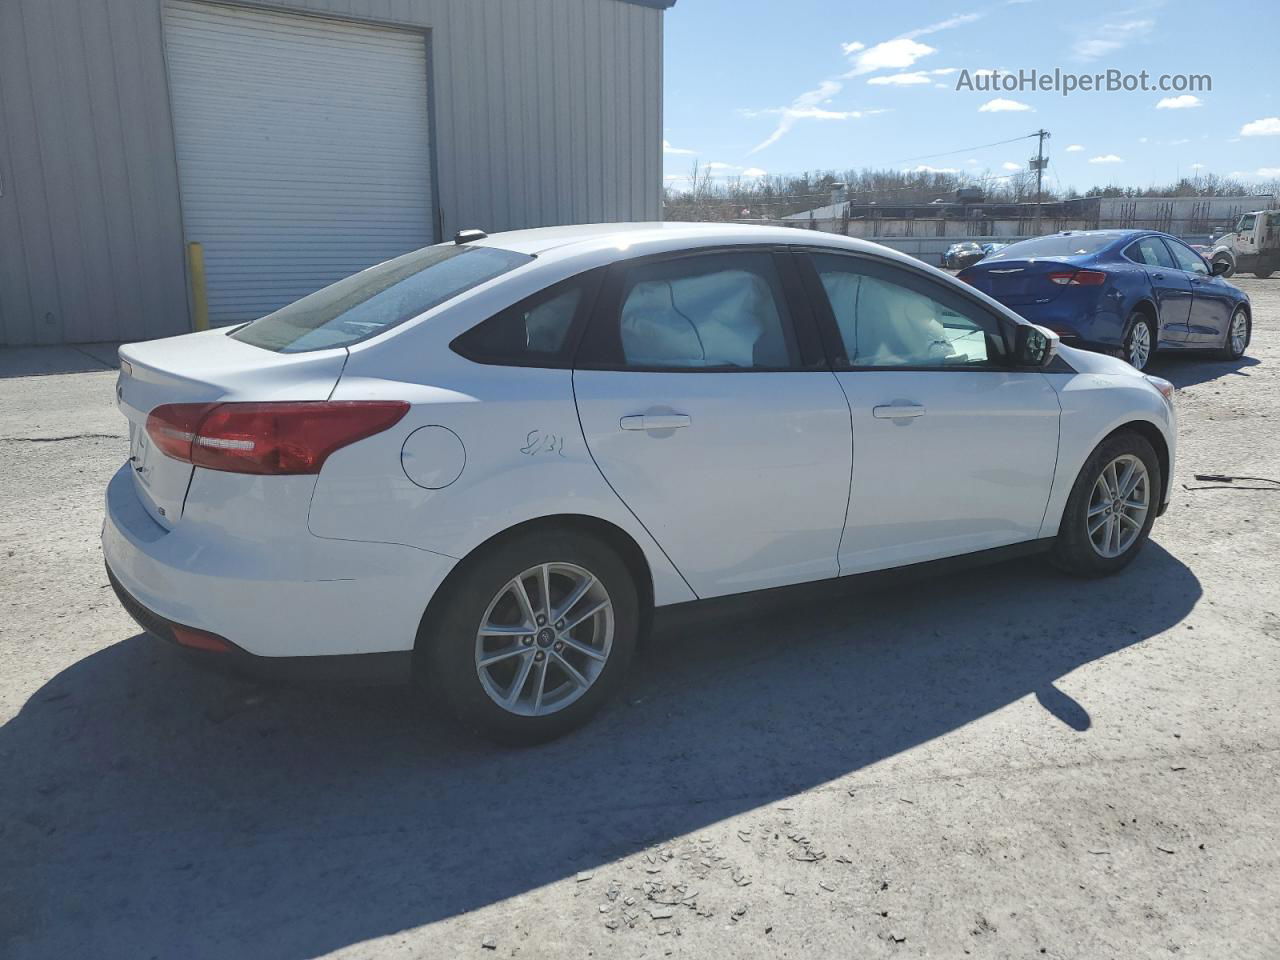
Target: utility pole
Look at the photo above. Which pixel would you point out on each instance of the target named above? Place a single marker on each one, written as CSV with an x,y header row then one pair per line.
x,y
1038,163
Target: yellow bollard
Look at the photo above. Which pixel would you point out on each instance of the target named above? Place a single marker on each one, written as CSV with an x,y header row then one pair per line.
x,y
199,298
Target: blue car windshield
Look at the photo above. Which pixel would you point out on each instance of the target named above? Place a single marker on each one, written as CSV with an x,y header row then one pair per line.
x,y
1070,245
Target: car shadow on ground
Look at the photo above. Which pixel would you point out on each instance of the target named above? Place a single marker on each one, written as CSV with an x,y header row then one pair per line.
x,y
152,809
1190,368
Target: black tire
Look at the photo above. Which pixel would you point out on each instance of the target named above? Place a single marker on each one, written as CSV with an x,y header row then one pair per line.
x,y
1229,352
446,648
1263,274
1139,319
1073,551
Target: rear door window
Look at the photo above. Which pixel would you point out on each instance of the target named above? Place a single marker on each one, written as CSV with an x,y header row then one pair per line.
x,y
1152,252
379,298
1188,259
713,311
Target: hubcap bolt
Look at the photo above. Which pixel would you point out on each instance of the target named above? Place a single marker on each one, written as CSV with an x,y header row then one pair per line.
x,y
559,624
559,646
526,640
542,621
539,655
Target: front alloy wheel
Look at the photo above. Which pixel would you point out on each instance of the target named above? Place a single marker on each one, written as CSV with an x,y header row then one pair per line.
x,y
1237,335
1111,508
1119,505
544,639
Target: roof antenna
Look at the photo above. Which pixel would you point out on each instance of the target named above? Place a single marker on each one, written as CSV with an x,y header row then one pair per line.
x,y
467,236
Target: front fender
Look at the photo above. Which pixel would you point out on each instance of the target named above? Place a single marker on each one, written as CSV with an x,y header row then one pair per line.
x,y
1094,405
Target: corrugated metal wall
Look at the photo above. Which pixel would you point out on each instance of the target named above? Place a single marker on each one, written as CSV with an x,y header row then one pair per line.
x,y
545,112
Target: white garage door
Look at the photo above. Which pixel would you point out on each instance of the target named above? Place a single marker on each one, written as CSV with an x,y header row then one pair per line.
x,y
303,150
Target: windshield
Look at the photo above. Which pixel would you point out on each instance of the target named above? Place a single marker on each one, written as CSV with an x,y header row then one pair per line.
x,y
376,299
1073,245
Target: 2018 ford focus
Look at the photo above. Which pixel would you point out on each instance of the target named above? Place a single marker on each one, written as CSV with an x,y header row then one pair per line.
x,y
489,461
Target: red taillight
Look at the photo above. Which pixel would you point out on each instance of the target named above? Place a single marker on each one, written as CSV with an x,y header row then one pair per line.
x,y
200,639
267,438
1079,278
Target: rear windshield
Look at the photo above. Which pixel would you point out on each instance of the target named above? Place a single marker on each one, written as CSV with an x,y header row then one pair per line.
x,y
1075,245
376,299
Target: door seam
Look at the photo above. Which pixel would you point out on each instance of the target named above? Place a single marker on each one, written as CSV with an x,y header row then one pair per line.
x,y
573,386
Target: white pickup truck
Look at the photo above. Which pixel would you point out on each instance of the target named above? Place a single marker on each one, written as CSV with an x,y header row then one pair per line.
x,y
1253,247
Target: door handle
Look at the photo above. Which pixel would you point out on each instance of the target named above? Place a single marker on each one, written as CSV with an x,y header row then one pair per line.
x,y
655,421
897,411
1157,276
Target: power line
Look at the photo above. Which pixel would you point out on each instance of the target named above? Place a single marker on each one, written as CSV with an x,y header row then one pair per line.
x,y
952,153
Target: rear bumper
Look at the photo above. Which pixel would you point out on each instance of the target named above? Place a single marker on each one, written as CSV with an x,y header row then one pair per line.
x,y
278,595
356,669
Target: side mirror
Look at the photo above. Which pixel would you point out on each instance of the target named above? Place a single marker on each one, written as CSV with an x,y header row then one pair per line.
x,y
1219,268
1034,346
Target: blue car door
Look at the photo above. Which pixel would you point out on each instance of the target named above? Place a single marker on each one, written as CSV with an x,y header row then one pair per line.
x,y
1170,285
1211,300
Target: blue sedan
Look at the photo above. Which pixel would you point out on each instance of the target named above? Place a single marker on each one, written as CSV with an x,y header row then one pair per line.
x,y
1126,292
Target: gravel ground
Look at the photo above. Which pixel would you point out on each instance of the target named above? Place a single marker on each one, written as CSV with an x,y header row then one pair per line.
x,y
1004,763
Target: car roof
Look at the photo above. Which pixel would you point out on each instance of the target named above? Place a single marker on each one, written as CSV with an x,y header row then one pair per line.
x,y
672,235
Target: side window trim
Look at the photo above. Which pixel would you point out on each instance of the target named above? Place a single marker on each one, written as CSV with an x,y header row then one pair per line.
x,y
590,282
596,337
993,324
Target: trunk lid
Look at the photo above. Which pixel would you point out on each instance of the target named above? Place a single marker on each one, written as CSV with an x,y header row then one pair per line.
x,y
1017,282
205,367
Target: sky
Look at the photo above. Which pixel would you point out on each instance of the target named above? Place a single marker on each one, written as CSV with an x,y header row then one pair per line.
x,y
783,86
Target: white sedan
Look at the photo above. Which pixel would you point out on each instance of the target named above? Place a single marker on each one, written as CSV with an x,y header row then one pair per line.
x,y
485,463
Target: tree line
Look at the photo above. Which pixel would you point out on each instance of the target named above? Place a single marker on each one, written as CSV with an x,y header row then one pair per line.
x,y
703,195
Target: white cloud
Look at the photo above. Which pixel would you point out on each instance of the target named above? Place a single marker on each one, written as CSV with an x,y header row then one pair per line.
x,y
972,162
1178,143
805,107
1010,166
717,165
1106,158
754,172
1001,105
1197,166
900,53
949,23
669,149
925,168
1268,172
1266,127
1110,37
897,54
1074,148
1184,102
899,79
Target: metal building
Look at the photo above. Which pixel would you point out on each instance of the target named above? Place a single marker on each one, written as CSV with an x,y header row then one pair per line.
x,y
299,141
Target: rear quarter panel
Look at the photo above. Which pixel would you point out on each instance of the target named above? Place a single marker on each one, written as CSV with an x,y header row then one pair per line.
x,y
525,458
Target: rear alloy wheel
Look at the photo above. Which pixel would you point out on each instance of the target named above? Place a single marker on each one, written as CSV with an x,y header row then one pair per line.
x,y
1239,331
532,637
1139,342
1111,508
